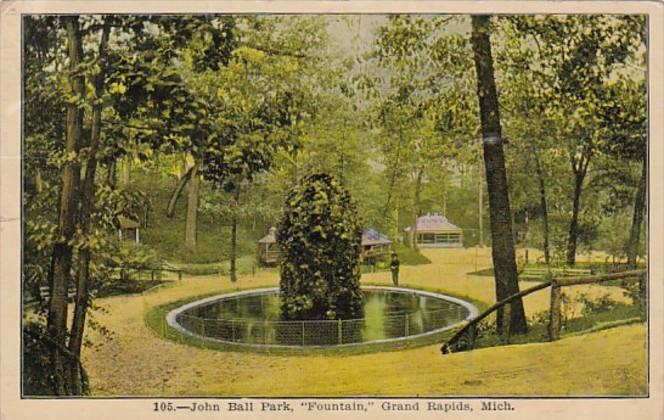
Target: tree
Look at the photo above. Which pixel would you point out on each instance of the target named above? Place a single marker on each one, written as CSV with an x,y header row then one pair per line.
x,y
62,255
320,239
625,125
108,91
424,108
258,104
204,44
512,320
576,57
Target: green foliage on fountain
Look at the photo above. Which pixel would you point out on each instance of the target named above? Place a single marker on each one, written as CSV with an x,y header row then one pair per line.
x,y
320,239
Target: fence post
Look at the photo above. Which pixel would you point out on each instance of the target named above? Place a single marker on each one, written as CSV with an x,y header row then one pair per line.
x,y
339,332
554,313
302,323
406,325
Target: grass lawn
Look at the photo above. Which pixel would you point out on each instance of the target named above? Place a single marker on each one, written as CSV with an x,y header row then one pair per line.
x,y
137,362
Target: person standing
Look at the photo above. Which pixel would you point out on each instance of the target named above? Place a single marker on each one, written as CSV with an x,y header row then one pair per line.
x,y
394,267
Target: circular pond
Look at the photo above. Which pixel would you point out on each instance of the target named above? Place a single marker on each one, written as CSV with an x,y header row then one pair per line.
x,y
252,318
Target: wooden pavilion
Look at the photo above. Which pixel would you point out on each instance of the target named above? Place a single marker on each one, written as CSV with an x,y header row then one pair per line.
x,y
127,228
268,250
374,244
435,231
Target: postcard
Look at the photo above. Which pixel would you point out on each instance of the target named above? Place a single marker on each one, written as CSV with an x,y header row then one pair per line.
x,y
352,209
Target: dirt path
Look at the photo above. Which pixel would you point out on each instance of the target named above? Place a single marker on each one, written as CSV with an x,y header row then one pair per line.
x,y
138,363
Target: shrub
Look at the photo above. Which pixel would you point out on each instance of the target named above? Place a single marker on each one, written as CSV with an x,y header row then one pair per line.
x,y
320,239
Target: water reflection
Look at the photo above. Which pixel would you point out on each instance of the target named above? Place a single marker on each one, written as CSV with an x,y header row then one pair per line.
x,y
256,319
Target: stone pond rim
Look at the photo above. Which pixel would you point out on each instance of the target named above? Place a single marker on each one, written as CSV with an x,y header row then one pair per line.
x,y
172,317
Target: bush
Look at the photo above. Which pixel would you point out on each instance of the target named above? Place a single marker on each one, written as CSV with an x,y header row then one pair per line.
x,y
37,366
320,239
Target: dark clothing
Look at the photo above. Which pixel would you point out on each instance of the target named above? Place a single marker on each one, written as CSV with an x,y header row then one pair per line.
x,y
394,267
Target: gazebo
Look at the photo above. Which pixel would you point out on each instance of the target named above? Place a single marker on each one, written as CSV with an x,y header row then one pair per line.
x,y
435,231
268,250
374,244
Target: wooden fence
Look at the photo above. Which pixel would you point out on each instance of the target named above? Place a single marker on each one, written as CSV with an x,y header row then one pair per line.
x,y
122,273
556,285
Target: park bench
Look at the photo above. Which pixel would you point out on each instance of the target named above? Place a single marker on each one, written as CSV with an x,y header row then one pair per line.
x,y
555,272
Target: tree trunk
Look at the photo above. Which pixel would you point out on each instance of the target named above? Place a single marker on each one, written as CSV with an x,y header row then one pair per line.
x,y
637,218
184,180
125,170
480,206
543,207
512,319
416,209
192,210
111,177
39,181
236,203
395,218
87,208
574,222
61,260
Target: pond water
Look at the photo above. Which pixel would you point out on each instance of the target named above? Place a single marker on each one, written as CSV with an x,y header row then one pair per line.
x,y
253,317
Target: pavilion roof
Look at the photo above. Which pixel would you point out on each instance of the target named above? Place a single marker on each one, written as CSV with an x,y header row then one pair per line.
x,y
369,237
124,222
434,223
373,237
270,238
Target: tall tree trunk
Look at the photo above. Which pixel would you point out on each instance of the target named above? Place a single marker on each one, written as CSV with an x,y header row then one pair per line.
x,y
191,221
512,318
395,218
543,207
87,208
61,260
182,182
574,222
236,203
480,206
637,218
416,209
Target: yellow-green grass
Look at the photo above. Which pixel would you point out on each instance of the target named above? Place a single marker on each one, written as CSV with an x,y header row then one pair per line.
x,y
137,362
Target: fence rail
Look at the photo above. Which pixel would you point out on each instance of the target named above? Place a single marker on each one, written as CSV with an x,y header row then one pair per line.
x,y
556,285
321,332
43,293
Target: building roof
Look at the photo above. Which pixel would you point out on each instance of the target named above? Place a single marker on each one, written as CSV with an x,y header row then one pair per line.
x,y
124,222
434,223
369,237
270,238
373,237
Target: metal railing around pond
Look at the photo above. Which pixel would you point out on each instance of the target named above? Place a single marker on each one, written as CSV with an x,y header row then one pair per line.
x,y
322,332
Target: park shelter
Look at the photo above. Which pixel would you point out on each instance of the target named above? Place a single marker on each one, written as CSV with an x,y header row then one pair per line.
x,y
435,231
127,228
268,250
374,244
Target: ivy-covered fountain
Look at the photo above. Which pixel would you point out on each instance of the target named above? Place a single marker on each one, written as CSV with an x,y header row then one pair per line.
x,y
319,301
